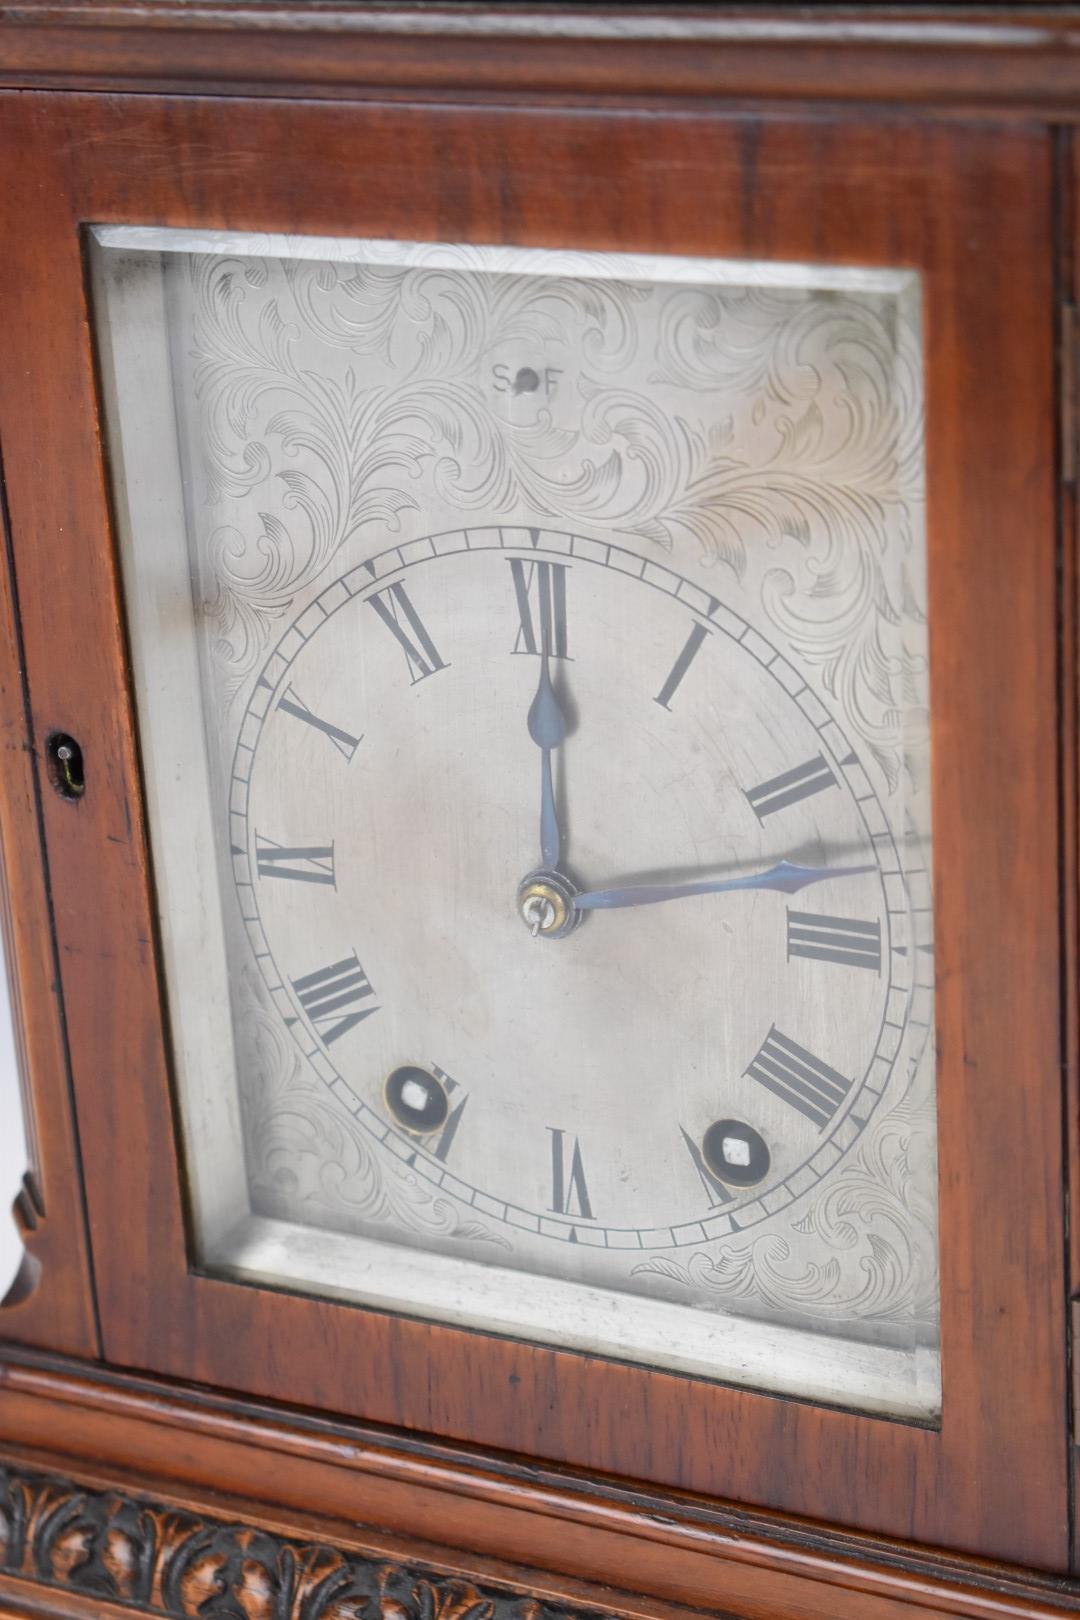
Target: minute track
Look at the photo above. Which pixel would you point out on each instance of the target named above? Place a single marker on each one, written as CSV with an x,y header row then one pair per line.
x,y
438,552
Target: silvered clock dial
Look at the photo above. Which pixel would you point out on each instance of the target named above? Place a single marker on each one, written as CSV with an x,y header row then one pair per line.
x,y
531,663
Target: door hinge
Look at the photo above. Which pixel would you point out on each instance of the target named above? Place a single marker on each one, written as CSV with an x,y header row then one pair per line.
x,y
1070,406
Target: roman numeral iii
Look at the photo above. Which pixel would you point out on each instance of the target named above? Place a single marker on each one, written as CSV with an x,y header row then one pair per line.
x,y
292,703
540,591
333,998
301,863
834,939
780,791
569,1193
395,609
798,1078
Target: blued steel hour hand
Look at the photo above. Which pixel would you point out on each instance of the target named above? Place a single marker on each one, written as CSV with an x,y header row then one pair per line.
x,y
547,728
786,876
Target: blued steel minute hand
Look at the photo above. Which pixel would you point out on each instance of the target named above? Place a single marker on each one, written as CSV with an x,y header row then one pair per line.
x,y
547,728
786,876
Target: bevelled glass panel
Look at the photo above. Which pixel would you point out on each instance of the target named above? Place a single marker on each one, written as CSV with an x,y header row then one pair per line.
x,y
531,668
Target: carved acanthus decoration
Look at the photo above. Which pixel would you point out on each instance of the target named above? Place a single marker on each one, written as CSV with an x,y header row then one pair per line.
x,y
159,1560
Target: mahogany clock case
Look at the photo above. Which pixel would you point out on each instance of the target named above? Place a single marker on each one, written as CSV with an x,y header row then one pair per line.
x,y
980,209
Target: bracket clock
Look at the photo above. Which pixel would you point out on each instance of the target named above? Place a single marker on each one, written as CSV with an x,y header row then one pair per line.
x,y
539,810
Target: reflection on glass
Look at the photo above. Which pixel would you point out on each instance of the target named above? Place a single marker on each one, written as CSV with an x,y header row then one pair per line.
x,y
530,653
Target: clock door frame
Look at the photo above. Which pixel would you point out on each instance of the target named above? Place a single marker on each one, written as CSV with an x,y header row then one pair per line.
x,y
971,208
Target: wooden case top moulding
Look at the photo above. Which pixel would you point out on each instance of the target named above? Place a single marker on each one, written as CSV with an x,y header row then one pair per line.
x,y
1017,60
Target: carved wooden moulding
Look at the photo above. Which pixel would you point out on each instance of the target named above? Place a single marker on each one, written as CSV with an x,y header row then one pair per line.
x,y
115,1547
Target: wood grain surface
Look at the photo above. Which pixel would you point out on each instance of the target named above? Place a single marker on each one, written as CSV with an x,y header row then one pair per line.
x,y
1018,61
50,1302
971,208
299,1477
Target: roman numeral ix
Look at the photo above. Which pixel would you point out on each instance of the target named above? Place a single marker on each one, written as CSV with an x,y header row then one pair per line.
x,y
780,791
540,590
690,651
834,939
798,1078
396,611
333,998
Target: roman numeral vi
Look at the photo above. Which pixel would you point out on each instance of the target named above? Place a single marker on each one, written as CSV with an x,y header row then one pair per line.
x,y
569,1194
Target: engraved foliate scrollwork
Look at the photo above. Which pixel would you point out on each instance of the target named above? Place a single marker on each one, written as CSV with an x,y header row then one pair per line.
x,y
873,1211
257,388
428,322
827,392
775,432
306,1153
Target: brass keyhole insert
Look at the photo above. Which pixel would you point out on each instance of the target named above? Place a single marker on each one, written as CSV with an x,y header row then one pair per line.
x,y
65,765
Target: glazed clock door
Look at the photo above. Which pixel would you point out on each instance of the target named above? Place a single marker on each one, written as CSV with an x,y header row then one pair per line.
x,y
586,663
548,929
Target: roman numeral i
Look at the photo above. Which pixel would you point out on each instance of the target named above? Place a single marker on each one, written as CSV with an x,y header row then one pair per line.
x,y
691,648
